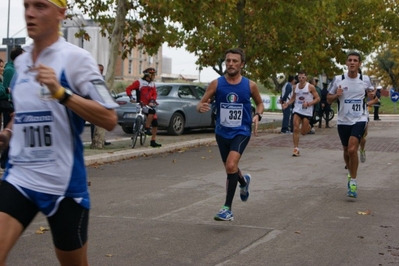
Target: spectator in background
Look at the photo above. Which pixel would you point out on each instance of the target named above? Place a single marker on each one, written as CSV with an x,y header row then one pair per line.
x,y
92,127
146,94
9,71
1,80
286,92
1,69
316,107
377,104
325,108
294,82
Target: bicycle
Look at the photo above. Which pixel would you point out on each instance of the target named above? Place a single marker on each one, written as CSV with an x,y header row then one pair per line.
x,y
138,127
328,118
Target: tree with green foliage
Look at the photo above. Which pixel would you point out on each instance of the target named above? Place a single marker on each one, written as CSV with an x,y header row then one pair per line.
x,y
385,64
282,36
278,36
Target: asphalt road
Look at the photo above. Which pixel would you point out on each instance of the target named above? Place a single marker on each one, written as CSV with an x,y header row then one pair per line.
x,y
118,134
158,209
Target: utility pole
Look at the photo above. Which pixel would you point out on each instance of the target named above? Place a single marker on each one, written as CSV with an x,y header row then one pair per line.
x,y
11,42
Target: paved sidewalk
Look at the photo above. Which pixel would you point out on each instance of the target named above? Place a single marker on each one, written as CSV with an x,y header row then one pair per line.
x,y
121,148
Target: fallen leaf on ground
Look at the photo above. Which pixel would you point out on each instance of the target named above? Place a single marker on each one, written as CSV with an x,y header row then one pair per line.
x,y
109,255
364,213
41,230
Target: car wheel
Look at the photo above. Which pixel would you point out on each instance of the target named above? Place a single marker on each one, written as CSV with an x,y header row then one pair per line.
x,y
127,130
176,124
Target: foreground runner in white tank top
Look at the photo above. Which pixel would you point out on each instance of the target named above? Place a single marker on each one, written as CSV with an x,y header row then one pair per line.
x,y
350,91
57,86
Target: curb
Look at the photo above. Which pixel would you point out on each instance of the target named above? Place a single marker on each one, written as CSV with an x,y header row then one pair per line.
x,y
132,153
129,154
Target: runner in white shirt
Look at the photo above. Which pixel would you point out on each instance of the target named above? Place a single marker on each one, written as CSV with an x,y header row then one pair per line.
x,y
349,90
56,88
305,97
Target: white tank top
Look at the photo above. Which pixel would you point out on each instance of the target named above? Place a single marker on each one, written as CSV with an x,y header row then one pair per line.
x,y
352,108
301,96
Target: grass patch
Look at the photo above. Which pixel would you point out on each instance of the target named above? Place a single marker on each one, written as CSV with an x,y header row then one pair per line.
x,y
387,106
269,126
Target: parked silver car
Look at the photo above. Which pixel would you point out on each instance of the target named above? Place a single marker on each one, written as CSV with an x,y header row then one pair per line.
x,y
176,110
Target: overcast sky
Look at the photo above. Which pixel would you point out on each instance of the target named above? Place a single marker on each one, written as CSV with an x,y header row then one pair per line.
x,y
182,61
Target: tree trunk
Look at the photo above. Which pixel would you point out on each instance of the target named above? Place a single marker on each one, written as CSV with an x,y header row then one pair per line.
x,y
98,138
115,42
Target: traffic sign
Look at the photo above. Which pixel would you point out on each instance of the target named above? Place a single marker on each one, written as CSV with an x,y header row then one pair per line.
x,y
19,41
394,97
8,41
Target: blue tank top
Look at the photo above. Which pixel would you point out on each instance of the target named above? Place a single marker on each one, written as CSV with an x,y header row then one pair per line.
x,y
234,111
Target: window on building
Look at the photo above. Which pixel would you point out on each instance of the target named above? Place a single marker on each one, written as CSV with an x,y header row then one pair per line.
x,y
129,67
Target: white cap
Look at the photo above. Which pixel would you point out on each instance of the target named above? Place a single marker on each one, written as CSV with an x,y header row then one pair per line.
x,y
379,87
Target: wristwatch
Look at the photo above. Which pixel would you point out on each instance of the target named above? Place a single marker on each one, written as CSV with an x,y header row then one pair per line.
x,y
259,115
67,93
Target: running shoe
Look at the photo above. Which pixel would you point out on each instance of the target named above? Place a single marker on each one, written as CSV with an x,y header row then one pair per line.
x,y
225,214
349,179
352,191
362,156
296,153
244,190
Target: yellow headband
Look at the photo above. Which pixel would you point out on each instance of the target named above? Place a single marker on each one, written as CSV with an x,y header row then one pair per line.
x,y
59,3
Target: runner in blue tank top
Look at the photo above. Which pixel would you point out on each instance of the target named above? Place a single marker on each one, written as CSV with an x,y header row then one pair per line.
x,y
234,120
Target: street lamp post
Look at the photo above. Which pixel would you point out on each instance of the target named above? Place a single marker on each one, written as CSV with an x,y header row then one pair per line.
x,y
8,20
8,31
11,42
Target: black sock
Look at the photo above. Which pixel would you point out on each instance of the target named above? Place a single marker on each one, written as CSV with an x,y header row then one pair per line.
x,y
232,180
241,179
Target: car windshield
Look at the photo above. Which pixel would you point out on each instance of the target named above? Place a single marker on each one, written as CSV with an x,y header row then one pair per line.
x,y
200,91
164,90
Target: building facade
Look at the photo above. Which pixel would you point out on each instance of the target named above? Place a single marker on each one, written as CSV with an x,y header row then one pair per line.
x,y
128,69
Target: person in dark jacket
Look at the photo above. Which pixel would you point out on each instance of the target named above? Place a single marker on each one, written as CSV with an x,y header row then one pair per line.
x,y
286,92
324,106
9,71
378,104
